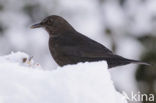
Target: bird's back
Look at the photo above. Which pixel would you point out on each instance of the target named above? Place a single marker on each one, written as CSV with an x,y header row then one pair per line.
x,y
73,47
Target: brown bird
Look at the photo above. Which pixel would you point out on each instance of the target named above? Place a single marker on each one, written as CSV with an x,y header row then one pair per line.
x,y
68,46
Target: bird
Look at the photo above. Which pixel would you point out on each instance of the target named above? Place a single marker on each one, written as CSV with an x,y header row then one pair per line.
x,y
68,46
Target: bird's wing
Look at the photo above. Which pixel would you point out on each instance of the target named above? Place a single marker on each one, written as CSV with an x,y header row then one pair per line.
x,y
76,44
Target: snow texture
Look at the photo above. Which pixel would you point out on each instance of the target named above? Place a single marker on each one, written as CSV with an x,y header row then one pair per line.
x,y
27,82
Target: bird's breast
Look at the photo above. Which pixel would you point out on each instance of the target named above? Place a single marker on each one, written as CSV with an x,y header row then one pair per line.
x,y
56,53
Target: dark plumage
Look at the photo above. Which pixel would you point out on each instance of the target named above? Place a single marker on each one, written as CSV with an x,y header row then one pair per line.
x,y
68,46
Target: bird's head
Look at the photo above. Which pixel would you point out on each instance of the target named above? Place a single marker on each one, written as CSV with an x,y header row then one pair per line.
x,y
54,25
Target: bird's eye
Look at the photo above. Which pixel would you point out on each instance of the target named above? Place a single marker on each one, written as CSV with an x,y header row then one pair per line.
x,y
49,22
45,21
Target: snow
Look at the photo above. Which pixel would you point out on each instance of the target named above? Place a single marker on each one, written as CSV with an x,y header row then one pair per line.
x,y
20,58
21,82
89,17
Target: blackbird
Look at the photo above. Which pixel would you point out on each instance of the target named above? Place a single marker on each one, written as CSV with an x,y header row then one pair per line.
x,y
68,46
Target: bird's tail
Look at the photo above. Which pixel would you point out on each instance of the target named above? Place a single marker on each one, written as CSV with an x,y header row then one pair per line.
x,y
139,62
117,60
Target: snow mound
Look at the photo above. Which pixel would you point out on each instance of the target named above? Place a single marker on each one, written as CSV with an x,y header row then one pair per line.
x,y
80,83
19,58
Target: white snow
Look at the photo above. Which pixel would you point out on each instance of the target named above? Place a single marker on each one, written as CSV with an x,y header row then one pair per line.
x,y
20,58
80,83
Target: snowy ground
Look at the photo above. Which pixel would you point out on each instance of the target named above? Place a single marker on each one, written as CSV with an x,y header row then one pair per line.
x,y
24,81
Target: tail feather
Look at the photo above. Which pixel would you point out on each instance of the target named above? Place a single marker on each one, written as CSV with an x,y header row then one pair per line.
x,y
140,62
119,61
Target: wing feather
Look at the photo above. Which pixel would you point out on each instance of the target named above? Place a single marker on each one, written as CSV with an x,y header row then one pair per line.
x,y
73,44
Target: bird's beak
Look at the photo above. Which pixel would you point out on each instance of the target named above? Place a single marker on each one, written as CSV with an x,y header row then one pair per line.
x,y
36,26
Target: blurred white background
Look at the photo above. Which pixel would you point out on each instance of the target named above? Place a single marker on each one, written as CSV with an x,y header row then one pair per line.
x,y
117,24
